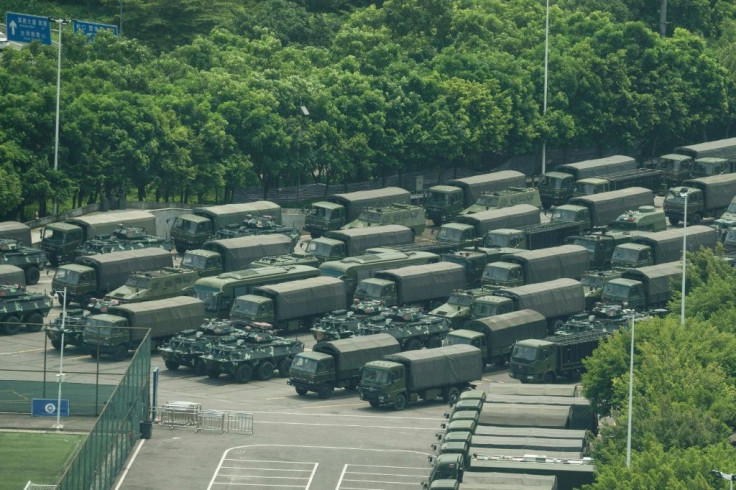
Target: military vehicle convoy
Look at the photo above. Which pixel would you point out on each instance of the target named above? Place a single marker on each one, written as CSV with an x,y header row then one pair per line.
x,y
409,215
505,198
21,309
31,260
123,238
707,197
234,254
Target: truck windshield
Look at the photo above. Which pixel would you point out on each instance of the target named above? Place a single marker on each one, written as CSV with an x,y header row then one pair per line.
x,y
584,188
483,310
184,225
374,376
66,276
368,291
523,354
498,240
550,182
592,281
207,295
304,364
628,255
319,249
589,244
615,291
457,339
140,282
437,198
330,272
670,165
674,197
567,215
495,274
701,168
460,300
490,200
191,261
449,235
244,309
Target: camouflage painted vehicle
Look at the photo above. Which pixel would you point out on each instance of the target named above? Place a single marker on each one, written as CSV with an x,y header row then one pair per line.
x,y
258,353
285,260
31,260
20,309
256,225
123,238
413,328
188,347
166,282
343,324
76,320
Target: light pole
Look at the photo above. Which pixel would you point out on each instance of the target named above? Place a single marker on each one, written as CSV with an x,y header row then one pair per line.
x,y
59,425
683,193
725,476
305,113
544,104
631,390
61,22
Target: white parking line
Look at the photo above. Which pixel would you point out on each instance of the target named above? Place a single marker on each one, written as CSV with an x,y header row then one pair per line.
x,y
391,479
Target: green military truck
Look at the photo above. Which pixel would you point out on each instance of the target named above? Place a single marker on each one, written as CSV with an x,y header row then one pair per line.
x,y
445,202
61,240
424,374
338,244
20,309
123,327
340,209
707,197
31,260
408,215
501,241
707,167
166,282
598,210
504,199
96,275
233,254
337,363
469,229
189,231
219,292
650,178
495,336
643,287
533,266
10,274
14,230
663,246
678,166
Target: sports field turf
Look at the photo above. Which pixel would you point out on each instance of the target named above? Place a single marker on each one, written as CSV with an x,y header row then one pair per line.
x,y
39,457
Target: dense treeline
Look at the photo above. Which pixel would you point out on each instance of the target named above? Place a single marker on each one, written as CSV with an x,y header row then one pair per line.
x,y
198,98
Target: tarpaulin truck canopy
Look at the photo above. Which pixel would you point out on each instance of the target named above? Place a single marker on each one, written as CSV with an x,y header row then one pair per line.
x,y
508,481
523,415
667,245
358,240
476,185
552,299
718,190
105,223
306,297
449,365
724,148
494,430
502,331
113,269
233,214
608,206
510,217
16,231
551,263
533,389
351,354
529,442
581,415
164,316
237,253
656,278
10,274
416,283
597,167
355,202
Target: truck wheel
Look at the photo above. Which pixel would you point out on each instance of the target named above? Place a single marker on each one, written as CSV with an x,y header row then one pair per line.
x,y
374,404
11,325
171,365
413,344
32,275
437,222
200,367
696,219
284,366
243,373
34,322
181,248
301,391
451,395
557,325
213,373
265,371
120,353
400,402
86,300
434,342
549,378
673,220
56,344
325,390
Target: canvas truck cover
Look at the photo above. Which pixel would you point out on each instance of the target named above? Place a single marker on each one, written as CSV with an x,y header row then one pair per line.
x,y
667,244
598,167
581,416
518,453
233,214
608,206
511,217
492,430
560,297
237,253
105,223
163,316
355,202
423,282
725,148
508,481
533,389
114,268
352,353
523,415
358,240
657,278
504,330
551,263
306,297
476,185
10,274
529,442
16,231
448,365
718,190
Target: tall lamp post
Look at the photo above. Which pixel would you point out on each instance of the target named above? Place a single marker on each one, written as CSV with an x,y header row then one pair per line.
x,y
62,23
725,476
544,104
683,193
59,425
631,391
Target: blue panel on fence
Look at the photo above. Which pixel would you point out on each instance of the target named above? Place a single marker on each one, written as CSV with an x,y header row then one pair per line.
x,y
46,407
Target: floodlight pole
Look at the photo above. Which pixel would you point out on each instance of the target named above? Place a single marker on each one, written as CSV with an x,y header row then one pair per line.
x,y
631,391
61,23
544,104
683,193
59,425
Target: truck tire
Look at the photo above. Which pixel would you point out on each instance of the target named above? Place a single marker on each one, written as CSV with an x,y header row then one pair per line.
x,y
413,344
434,342
86,300
243,373
284,366
34,322
374,404
199,367
181,248
171,365
696,219
673,220
557,325
549,377
56,344
400,402
120,353
451,395
32,275
301,391
213,373
325,391
265,371
11,325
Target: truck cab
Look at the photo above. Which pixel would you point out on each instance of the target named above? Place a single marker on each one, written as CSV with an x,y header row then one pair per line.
x,y
310,370
205,262
505,238
326,249
630,255
108,333
592,185
705,167
456,233
253,308
503,274
555,188
457,309
491,306
382,381
80,282
374,289
532,360
443,203
324,216
674,205
569,213
60,241
624,291
676,168
467,337
190,231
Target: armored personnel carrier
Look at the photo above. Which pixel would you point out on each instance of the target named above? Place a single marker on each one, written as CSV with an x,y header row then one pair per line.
x,y
256,225
19,309
123,238
412,327
258,353
342,324
76,320
159,284
286,260
31,260
188,347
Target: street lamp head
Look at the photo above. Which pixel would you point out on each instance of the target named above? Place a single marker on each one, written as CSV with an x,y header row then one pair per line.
x,y
304,110
683,192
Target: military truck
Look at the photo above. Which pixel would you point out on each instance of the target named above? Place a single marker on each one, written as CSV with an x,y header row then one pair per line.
x,y
166,282
219,292
340,209
542,361
352,270
678,165
73,328
650,178
257,353
31,260
21,309
533,266
123,327
458,308
676,168
498,480
408,215
533,237
10,274
598,210
413,285
707,167
495,336
420,374
338,244
233,254
293,305
557,300
285,261
643,287
61,240
723,148
661,247
14,230
707,197
187,347
445,202
256,225
556,187
469,229
123,238
474,262
96,275
505,198
190,231
337,363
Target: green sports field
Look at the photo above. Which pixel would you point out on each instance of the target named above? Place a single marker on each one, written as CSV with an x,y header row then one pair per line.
x,y
39,457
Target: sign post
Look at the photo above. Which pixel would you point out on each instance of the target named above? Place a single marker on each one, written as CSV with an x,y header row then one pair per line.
x,y
24,28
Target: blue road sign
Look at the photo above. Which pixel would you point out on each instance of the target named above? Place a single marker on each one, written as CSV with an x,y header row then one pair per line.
x,y
92,28
46,407
25,28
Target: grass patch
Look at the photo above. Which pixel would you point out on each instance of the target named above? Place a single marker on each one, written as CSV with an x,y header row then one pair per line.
x,y
39,457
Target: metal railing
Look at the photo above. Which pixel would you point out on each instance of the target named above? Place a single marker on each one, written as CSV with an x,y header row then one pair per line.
x,y
191,415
